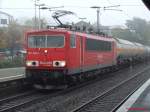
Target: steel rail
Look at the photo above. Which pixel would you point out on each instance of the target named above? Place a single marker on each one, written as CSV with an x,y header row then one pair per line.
x,y
16,96
125,99
86,104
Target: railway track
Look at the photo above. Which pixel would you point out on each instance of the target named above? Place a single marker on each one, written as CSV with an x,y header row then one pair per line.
x,y
119,104
11,103
26,99
93,104
13,87
10,98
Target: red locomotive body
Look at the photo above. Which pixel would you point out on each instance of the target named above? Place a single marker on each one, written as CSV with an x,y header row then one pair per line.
x,y
53,55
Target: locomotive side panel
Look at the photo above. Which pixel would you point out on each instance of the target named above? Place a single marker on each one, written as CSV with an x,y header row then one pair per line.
x,y
99,53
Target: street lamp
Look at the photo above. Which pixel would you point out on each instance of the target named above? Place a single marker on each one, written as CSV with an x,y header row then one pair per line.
x,y
98,18
39,5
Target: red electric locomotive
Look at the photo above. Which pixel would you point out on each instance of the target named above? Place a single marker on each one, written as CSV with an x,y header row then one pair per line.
x,y
56,56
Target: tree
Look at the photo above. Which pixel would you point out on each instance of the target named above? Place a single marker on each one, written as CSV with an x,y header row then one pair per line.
x,y
138,30
11,37
141,28
125,34
2,38
31,23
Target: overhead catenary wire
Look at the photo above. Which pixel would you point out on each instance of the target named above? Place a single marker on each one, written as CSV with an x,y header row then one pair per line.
x,y
123,12
77,6
73,6
109,2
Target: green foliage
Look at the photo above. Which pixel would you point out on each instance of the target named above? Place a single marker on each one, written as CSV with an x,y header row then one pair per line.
x,y
11,36
32,23
138,30
125,34
142,28
9,63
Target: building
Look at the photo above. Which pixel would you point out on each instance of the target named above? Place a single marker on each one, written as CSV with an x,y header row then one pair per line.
x,y
5,19
81,25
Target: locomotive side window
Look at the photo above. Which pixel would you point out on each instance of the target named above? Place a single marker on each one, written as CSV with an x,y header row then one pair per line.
x,y
98,45
72,41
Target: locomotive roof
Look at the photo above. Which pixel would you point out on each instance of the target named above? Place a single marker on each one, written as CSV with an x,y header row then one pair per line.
x,y
46,30
61,30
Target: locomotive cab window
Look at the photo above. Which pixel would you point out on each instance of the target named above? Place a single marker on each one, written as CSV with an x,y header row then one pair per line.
x,y
46,41
55,41
73,41
36,41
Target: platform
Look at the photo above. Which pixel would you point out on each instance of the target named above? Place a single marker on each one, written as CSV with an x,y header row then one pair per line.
x,y
139,101
12,74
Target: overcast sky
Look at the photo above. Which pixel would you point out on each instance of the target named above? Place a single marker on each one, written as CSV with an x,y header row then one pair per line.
x,y
131,8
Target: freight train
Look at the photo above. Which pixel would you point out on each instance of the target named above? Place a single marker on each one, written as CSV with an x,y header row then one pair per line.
x,y
60,56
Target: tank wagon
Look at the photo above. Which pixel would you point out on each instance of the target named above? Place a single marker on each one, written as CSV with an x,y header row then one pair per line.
x,y
59,56
128,51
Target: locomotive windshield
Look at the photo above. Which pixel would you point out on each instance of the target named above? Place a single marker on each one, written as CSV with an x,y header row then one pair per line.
x,y
46,41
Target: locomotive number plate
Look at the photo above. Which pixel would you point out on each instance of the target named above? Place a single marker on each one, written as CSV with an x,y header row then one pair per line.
x,y
45,63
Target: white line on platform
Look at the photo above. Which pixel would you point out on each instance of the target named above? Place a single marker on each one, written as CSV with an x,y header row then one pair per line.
x,y
5,69
12,78
128,104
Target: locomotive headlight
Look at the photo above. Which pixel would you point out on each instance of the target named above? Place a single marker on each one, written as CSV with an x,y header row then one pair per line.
x,y
59,63
32,63
45,51
29,63
62,63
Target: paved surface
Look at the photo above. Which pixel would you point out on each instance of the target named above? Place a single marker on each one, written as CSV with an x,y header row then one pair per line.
x,y
139,101
12,74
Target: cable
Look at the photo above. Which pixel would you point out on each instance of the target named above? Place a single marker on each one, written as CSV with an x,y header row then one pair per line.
x,y
18,8
126,14
109,2
132,5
